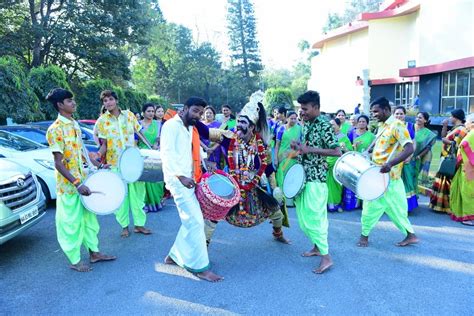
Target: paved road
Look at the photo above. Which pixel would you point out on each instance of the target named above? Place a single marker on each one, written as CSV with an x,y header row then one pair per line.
x,y
435,277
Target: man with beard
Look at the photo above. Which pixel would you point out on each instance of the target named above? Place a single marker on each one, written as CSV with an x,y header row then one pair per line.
x,y
180,154
247,158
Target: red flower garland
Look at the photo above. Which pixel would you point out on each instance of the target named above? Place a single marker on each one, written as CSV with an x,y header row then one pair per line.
x,y
263,164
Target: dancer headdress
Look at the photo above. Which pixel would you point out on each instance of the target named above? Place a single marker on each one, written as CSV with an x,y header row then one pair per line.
x,y
255,112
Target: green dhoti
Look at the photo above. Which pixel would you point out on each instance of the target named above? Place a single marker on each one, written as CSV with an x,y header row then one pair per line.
x,y
75,226
394,203
312,214
134,201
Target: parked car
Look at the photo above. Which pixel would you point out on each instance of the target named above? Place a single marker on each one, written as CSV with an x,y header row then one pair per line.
x,y
87,124
34,156
87,134
38,134
22,204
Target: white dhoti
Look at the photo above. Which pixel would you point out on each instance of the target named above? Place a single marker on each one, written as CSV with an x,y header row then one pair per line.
x,y
189,249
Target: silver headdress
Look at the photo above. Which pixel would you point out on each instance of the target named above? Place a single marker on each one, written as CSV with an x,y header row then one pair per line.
x,y
251,109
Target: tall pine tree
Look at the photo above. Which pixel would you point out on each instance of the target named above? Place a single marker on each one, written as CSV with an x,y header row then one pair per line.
x,y
243,43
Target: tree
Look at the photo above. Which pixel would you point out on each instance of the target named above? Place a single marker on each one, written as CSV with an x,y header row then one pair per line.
x,y
134,100
17,99
42,80
351,11
276,97
88,98
243,44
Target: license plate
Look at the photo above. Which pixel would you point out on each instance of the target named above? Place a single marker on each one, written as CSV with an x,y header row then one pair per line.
x,y
26,216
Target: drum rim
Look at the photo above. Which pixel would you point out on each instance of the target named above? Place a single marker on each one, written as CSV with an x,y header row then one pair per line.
x,y
388,183
300,166
120,159
82,197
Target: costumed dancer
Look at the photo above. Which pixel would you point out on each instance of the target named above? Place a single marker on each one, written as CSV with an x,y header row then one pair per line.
x,y
393,138
181,156
117,129
75,225
248,159
319,142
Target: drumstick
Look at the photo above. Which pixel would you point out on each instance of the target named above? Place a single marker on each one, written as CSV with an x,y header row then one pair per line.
x,y
98,192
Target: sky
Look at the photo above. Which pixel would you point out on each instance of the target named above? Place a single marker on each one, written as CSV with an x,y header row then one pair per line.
x,y
281,24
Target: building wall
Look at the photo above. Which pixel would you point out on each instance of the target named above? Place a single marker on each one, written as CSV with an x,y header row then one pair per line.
x,y
384,90
430,93
446,31
335,70
392,43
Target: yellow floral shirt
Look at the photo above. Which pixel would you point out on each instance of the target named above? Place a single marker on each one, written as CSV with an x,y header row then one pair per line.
x,y
119,133
64,136
394,136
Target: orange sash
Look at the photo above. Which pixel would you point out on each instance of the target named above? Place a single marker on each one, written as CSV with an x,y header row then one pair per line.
x,y
196,144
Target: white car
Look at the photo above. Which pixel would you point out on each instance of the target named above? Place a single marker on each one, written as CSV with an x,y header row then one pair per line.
x,y
36,157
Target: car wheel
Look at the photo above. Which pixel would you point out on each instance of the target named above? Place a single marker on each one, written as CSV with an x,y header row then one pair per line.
x,y
45,190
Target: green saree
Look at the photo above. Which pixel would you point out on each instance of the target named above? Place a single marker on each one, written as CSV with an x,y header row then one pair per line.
x,y
334,188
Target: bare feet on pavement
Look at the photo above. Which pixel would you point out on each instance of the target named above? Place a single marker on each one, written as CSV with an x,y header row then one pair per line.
x,y
81,267
125,233
363,241
409,240
142,230
313,252
324,265
97,257
209,276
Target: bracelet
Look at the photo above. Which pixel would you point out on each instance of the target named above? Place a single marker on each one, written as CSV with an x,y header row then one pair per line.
x,y
76,181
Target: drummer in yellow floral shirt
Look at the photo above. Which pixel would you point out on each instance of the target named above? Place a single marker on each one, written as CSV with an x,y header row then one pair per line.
x,y
116,129
392,136
75,225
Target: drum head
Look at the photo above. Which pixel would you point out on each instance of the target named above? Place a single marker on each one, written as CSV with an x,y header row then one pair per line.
x,y
294,181
372,184
221,186
130,164
108,189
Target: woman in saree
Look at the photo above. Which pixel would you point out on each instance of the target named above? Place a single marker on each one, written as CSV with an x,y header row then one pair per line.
x,y
439,200
363,138
345,125
285,156
151,131
334,188
462,187
212,149
408,171
424,139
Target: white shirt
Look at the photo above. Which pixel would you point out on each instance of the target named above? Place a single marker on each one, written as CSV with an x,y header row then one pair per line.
x,y
176,149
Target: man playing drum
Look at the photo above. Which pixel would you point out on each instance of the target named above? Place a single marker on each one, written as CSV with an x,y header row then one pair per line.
x,y
393,138
319,142
116,129
247,159
75,225
180,152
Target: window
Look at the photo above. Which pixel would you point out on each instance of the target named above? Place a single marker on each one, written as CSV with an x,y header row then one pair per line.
x,y
458,91
405,93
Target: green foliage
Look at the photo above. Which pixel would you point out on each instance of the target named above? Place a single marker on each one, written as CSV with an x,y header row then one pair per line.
x,y
159,100
17,99
42,80
88,98
352,10
276,97
133,100
243,42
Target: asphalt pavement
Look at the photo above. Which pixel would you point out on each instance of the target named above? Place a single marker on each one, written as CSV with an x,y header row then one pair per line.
x,y
434,277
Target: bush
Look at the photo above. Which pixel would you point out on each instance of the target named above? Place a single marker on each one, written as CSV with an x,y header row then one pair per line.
x,y
42,80
159,100
88,98
276,97
134,100
17,99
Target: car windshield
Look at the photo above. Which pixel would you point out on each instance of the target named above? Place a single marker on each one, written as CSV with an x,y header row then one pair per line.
x,y
31,134
16,142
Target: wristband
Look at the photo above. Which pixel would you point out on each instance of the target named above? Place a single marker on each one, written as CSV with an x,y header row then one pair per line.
x,y
76,181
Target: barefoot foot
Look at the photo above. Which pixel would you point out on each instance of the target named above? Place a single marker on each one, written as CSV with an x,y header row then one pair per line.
x,y
409,240
142,230
97,257
125,233
81,267
209,276
363,241
325,264
312,253
168,260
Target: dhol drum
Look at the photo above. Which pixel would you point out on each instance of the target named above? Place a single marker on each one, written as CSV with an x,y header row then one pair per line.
x,y
217,193
108,192
140,165
294,181
360,175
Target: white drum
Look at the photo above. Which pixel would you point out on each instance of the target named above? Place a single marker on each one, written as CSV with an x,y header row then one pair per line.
x,y
360,175
108,192
130,164
294,181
